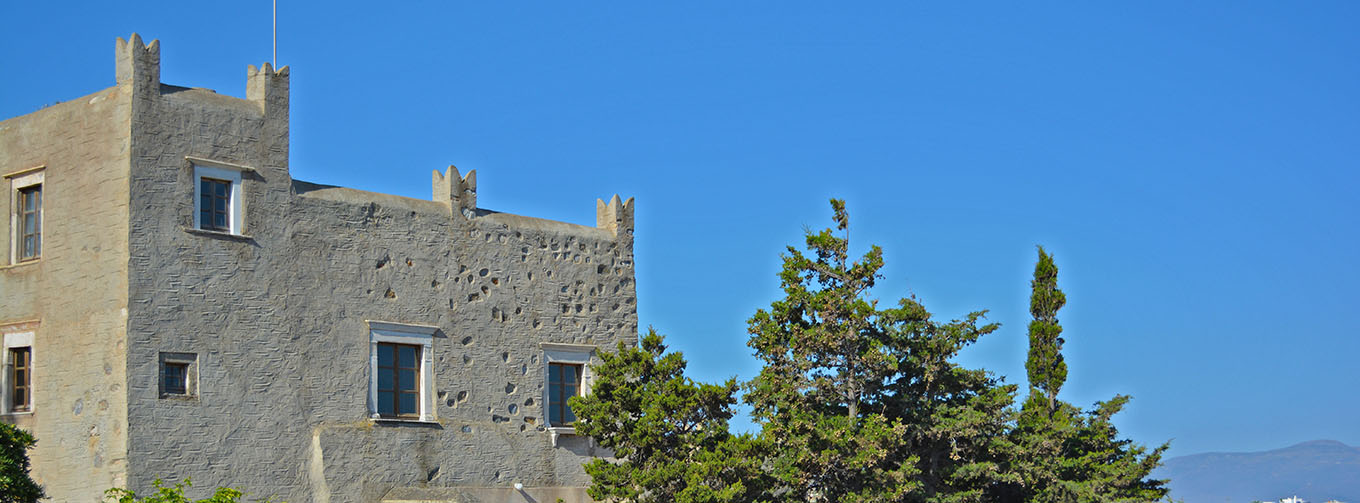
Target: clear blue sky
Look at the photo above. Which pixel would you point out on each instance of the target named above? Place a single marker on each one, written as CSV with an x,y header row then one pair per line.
x,y
1193,167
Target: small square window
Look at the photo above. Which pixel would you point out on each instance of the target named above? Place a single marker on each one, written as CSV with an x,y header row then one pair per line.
x,y
178,375
20,379
564,382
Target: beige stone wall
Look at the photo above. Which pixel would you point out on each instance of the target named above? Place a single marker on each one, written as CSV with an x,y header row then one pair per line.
x,y
277,316
73,297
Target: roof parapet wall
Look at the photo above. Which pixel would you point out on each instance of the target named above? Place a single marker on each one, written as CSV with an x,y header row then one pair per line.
x,y
137,63
616,216
459,192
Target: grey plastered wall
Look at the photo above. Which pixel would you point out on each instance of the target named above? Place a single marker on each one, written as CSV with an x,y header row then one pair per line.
x,y
277,317
74,296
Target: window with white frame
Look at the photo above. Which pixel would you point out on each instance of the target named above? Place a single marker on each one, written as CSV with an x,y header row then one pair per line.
x,y
566,374
26,215
18,375
401,371
218,198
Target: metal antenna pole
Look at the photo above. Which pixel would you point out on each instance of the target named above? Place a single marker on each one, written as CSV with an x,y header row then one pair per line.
x,y
276,34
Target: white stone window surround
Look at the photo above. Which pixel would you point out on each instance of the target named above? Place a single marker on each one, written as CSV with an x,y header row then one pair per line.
x,y
402,333
17,340
21,180
554,352
220,170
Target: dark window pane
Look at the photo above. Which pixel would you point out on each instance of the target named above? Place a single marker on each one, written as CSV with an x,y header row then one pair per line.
x,y
406,356
568,373
205,188
408,404
554,373
406,379
571,418
386,402
175,377
385,379
554,415
385,354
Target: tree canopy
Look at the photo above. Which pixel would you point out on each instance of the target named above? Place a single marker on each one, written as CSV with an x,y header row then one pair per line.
x,y
857,402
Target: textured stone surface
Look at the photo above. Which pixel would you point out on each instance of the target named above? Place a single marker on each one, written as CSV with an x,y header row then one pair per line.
x,y
76,293
277,317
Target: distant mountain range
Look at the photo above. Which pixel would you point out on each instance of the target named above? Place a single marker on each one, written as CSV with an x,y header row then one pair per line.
x,y
1316,471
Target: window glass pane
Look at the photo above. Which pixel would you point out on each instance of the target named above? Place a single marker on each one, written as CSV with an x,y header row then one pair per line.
x,y
30,221
29,247
220,189
205,188
569,374
406,379
554,415
386,402
406,356
220,221
571,418
385,355
408,403
554,372
385,379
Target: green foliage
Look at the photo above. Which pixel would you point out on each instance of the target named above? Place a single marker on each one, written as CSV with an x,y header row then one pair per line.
x,y
1045,366
670,434
172,494
864,404
16,486
859,403
1071,455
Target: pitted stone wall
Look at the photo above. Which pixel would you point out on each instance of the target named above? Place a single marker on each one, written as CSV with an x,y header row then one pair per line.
x,y
277,318
73,297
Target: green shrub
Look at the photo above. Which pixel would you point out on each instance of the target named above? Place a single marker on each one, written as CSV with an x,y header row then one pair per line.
x,y
16,486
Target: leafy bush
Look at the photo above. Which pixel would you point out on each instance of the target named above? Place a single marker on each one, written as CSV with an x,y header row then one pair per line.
x,y
173,494
15,484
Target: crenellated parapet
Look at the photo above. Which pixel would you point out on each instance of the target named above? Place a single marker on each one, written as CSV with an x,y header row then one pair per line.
x,y
268,88
616,216
460,192
138,64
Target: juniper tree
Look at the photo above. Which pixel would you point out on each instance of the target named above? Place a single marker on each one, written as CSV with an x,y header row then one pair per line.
x,y
860,403
669,434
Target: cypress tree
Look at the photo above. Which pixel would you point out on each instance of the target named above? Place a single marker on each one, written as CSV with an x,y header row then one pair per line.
x,y
1045,366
